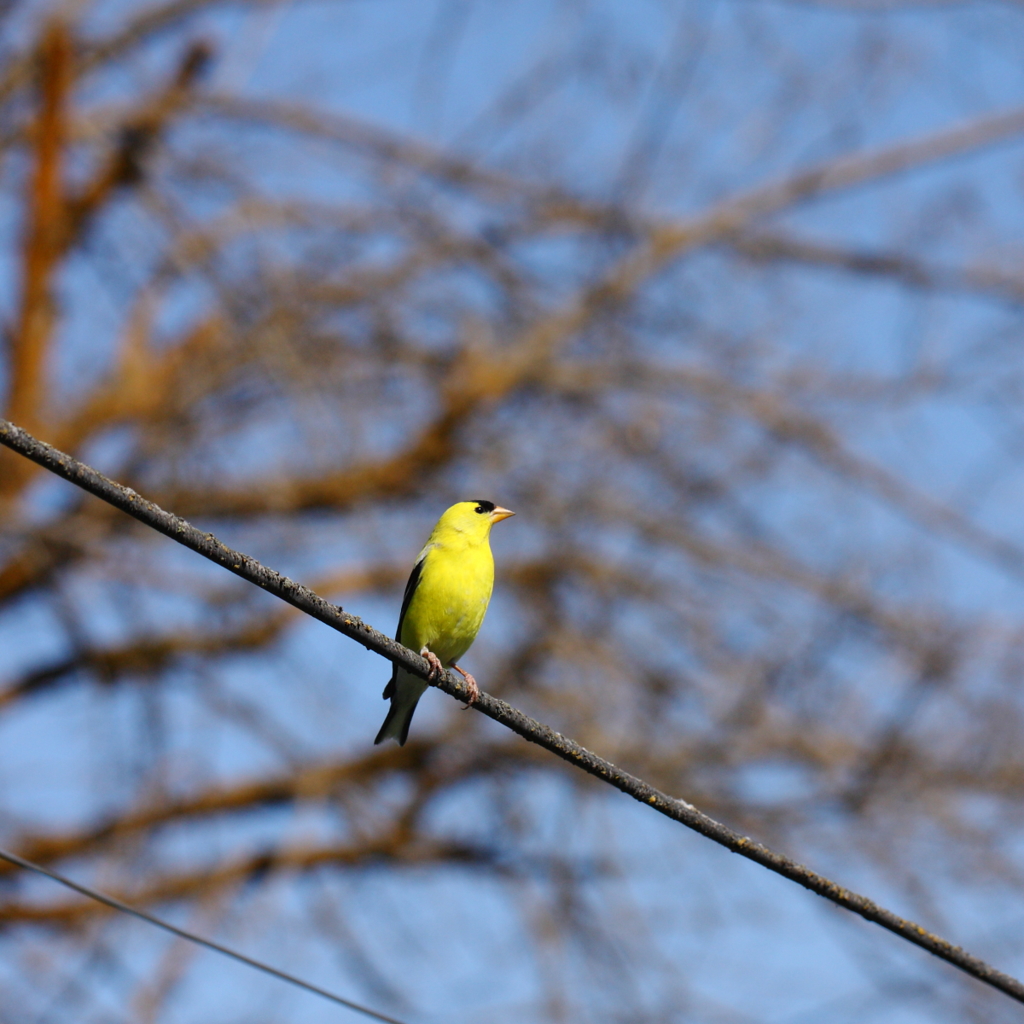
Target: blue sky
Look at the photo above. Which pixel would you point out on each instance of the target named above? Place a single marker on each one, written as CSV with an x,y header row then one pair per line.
x,y
766,89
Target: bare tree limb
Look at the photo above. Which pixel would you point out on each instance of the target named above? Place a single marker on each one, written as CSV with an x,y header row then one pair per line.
x,y
773,247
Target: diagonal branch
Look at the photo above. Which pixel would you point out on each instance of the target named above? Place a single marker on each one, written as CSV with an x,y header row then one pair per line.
x,y
311,782
305,600
149,655
774,247
818,441
559,205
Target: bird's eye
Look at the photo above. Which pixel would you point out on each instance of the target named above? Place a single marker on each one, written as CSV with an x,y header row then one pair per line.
x,y
480,509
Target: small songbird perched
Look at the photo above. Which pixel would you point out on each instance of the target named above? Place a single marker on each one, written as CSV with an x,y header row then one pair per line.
x,y
444,605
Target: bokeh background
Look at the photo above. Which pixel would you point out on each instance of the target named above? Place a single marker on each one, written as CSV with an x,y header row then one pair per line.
x,y
723,297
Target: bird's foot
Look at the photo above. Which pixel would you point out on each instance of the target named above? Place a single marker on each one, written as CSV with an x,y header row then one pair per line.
x,y
474,690
436,668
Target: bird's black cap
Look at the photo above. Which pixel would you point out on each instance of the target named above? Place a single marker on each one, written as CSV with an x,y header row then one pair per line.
x,y
484,506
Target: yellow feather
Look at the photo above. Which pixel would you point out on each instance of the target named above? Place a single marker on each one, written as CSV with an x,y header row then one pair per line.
x,y
448,603
454,589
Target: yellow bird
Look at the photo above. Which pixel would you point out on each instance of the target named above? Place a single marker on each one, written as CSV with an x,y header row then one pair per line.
x,y
444,605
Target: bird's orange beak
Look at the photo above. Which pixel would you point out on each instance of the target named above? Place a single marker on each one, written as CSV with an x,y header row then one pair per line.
x,y
500,513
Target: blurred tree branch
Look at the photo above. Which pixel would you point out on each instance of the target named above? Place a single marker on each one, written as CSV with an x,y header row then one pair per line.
x,y
771,557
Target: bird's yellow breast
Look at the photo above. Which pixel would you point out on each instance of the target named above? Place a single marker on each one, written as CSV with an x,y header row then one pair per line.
x,y
451,598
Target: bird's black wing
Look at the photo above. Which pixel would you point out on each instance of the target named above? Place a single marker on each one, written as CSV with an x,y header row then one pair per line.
x,y
410,589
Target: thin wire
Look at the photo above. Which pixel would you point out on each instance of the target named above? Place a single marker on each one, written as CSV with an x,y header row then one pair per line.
x,y
116,904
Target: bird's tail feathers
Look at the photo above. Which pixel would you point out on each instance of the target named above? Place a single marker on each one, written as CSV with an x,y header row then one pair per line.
x,y
405,695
